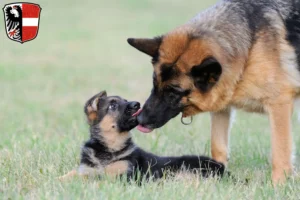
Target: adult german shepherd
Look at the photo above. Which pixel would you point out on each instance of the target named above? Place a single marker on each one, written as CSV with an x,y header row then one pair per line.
x,y
238,53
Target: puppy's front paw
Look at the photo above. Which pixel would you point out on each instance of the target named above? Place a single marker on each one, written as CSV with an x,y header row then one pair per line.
x,y
68,175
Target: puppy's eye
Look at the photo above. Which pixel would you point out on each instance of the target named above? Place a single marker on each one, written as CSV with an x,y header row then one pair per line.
x,y
112,106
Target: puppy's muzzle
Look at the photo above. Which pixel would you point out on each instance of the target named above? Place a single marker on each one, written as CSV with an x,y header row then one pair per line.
x,y
132,107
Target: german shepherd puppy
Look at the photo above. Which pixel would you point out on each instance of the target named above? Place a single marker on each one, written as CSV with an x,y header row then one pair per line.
x,y
237,54
110,149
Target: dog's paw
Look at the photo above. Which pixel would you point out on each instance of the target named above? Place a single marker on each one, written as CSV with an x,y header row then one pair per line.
x,y
68,175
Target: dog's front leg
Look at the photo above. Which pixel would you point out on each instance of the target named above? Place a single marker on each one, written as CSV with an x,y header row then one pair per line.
x,y
280,119
69,175
117,168
83,171
220,125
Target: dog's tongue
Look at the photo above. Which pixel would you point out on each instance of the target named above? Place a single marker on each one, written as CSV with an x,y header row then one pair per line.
x,y
137,113
144,129
140,127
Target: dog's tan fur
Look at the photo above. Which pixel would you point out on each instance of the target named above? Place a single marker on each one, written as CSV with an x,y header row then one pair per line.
x,y
112,170
111,136
220,135
280,118
117,168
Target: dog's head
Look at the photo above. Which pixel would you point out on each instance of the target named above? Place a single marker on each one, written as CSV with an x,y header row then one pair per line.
x,y
111,113
187,72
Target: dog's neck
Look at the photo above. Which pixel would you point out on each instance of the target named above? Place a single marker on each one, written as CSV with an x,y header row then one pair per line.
x,y
115,141
112,139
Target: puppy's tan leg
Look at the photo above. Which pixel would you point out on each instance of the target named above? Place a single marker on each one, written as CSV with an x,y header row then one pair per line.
x,y
83,171
117,168
68,175
112,170
220,123
280,119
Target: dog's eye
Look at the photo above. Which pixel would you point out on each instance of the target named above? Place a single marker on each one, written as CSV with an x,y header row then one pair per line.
x,y
113,106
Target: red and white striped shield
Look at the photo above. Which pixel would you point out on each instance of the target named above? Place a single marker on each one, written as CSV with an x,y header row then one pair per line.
x,y
22,21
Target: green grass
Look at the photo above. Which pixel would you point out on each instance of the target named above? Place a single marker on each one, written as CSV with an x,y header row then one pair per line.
x,y
81,49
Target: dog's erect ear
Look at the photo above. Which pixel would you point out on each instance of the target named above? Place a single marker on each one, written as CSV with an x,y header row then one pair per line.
x,y
146,45
207,74
92,106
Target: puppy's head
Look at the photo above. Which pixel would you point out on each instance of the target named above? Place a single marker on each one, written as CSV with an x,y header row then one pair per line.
x,y
111,113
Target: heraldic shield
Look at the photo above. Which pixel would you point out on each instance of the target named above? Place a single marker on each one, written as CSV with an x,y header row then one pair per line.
x,y
22,21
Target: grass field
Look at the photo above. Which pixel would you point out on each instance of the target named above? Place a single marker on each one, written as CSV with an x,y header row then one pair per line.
x,y
81,49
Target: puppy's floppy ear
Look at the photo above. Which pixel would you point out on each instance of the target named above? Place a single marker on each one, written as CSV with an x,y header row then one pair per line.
x,y
207,74
92,106
146,45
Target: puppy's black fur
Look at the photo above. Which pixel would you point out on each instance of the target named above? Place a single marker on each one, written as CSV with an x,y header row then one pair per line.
x,y
111,150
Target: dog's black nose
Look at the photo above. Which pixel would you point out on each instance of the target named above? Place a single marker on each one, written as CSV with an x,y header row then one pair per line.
x,y
134,105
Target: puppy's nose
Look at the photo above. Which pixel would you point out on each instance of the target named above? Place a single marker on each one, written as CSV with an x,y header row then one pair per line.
x,y
134,105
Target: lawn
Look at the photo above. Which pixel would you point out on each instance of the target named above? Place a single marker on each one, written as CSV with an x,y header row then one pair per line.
x,y
81,49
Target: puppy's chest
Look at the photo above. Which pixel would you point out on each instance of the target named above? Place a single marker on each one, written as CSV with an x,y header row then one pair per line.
x,y
106,158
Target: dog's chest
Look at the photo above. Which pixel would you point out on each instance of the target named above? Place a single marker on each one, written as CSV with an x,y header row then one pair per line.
x,y
249,105
249,98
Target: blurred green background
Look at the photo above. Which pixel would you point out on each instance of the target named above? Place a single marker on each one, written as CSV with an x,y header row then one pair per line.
x,y
81,49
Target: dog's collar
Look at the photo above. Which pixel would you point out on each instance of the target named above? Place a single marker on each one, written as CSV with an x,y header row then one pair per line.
x,y
185,123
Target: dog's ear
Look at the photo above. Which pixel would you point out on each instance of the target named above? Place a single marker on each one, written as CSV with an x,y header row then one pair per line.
x,y
146,45
92,106
207,74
